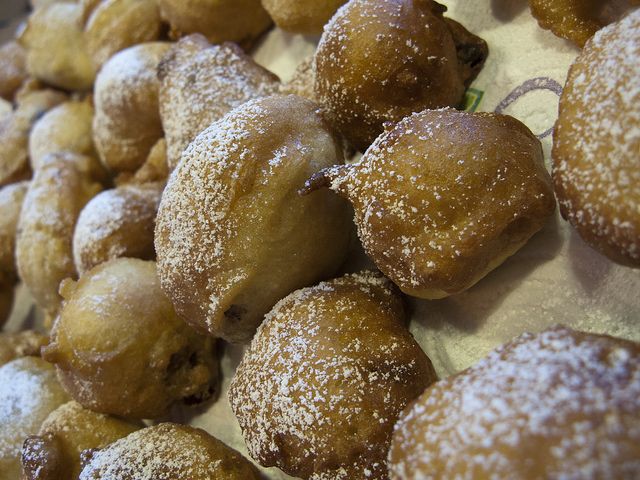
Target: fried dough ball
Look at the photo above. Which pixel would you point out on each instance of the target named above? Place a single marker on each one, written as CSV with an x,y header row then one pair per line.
x,y
29,392
117,24
578,20
117,223
328,372
56,49
379,62
54,453
548,405
239,21
302,16
60,188
21,344
232,234
14,133
597,143
127,120
444,197
11,198
120,349
301,83
66,127
200,83
13,70
168,451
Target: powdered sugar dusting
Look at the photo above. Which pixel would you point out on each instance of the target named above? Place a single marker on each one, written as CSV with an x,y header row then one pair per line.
x,y
559,404
113,224
200,83
29,391
434,195
193,224
167,452
597,143
319,369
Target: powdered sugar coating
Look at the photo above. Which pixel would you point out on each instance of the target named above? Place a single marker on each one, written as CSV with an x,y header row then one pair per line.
x,y
232,234
127,120
596,147
200,83
116,223
29,391
166,452
445,196
325,377
66,127
559,404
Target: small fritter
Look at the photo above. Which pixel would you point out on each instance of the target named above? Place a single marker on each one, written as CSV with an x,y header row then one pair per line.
x,y
168,451
302,16
29,392
54,453
120,348
14,133
66,127
239,21
578,20
117,223
60,188
114,25
127,122
56,49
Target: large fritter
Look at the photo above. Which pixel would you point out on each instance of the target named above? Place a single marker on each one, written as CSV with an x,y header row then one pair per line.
x,y
328,372
233,236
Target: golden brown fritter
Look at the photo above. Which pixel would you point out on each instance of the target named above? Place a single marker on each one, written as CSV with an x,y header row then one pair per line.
x,y
444,197
29,392
328,372
14,133
200,83
54,453
168,451
232,235
66,127
542,406
379,62
56,48
596,143
120,348
127,122
114,25
302,16
117,223
239,21
578,20
60,188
